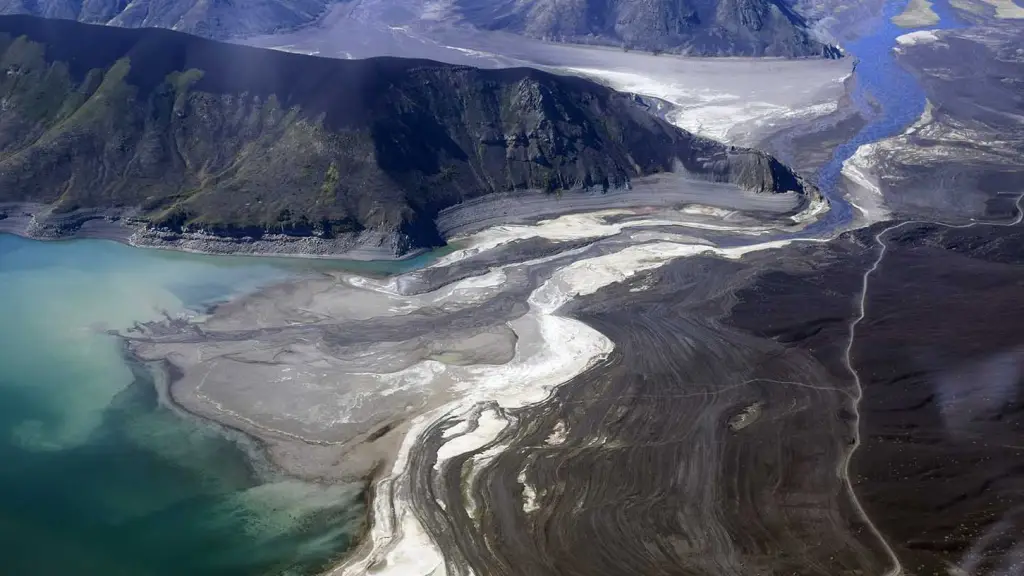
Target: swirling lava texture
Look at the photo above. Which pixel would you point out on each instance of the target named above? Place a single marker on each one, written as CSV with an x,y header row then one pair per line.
x,y
558,397
634,392
692,448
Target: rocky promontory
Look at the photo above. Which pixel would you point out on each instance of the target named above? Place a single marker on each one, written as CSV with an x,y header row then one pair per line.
x,y
200,140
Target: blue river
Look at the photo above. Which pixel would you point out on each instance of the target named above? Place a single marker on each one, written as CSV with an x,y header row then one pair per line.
x,y
881,83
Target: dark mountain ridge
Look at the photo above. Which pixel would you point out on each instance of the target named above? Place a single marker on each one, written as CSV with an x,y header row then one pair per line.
x,y
694,27
197,135
209,18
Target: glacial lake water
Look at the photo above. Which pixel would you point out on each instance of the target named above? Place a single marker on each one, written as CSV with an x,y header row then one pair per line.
x,y
97,477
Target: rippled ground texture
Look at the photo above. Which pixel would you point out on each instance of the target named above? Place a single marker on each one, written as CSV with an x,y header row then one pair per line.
x,y
695,447
712,438
680,439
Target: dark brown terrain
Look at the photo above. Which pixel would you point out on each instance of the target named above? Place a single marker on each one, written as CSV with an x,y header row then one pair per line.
x,y
702,445
941,471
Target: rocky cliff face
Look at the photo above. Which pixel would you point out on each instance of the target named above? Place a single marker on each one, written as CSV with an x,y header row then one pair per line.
x,y
699,27
212,19
194,134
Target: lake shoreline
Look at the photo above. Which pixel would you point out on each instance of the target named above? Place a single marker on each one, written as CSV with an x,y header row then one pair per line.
x,y
255,447
91,428
258,443
37,222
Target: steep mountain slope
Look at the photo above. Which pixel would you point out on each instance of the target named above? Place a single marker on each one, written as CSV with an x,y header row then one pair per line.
x,y
699,27
230,139
210,18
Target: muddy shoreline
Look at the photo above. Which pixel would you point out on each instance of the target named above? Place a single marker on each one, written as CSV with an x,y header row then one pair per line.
x,y
427,335
164,374
38,222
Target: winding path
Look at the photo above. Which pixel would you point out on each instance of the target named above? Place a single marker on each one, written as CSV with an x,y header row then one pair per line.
x,y
879,239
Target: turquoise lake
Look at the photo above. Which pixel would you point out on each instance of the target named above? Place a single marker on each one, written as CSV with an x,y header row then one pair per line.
x,y
97,476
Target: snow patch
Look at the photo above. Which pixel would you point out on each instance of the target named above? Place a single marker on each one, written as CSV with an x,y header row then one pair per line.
x,y
640,84
857,168
529,494
706,111
703,210
718,122
488,425
558,435
917,37
580,227
815,208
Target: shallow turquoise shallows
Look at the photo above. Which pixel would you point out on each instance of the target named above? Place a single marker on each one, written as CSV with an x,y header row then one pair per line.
x,y
99,478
